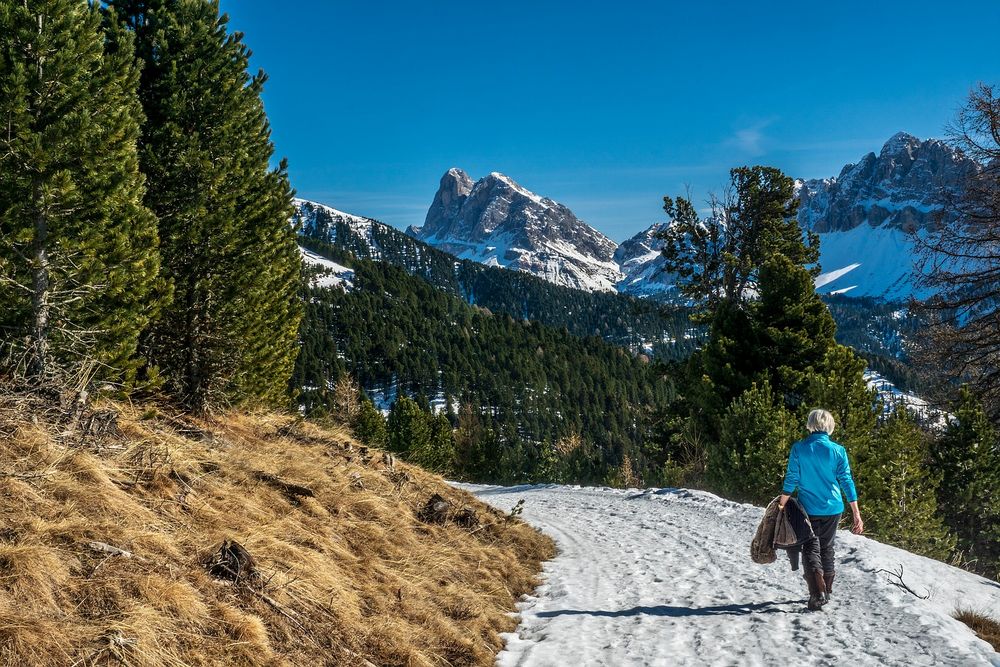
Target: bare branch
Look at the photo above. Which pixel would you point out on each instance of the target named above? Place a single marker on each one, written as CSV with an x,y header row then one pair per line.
x,y
896,579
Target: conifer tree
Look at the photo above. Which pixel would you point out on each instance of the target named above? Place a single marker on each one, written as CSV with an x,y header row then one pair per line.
x,y
967,457
771,353
369,425
78,263
408,426
548,468
756,434
224,213
439,453
718,259
795,330
471,436
898,490
753,258
838,385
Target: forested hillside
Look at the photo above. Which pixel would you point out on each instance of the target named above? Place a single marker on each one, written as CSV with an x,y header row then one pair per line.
x,y
641,326
877,329
880,331
514,388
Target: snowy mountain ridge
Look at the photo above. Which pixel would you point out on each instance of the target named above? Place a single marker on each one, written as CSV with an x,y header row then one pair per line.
x,y
905,186
865,214
863,217
643,265
321,221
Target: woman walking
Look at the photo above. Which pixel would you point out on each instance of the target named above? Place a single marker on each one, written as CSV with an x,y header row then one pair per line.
x,y
818,469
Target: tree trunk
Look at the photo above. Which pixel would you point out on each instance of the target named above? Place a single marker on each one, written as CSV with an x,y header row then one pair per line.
x,y
40,264
39,288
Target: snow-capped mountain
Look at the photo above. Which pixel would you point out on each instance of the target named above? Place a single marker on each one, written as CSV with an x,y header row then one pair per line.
x,y
324,222
905,186
863,218
864,215
497,222
642,262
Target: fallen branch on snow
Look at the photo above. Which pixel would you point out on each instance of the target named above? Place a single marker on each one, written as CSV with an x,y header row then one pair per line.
x,y
896,579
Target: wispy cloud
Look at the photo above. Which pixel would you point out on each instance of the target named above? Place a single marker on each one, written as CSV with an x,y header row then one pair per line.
x,y
751,139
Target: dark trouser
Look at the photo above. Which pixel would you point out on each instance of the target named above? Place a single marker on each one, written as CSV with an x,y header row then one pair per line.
x,y
818,552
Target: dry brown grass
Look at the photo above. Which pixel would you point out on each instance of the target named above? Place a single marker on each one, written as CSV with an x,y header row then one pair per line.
x,y
346,576
986,628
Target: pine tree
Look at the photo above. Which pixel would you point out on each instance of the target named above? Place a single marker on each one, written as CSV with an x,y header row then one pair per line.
x,y
771,339
549,467
766,321
79,263
227,244
899,492
439,454
470,437
838,386
369,425
795,330
967,456
718,259
756,434
408,426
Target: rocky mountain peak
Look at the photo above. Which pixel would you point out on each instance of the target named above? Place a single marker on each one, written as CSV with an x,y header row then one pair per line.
x,y
497,221
643,264
905,186
899,144
456,182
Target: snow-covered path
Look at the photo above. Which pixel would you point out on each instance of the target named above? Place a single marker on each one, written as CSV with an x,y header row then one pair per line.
x,y
664,577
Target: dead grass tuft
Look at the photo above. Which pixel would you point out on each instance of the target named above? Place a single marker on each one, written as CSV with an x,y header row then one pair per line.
x,y
113,521
986,628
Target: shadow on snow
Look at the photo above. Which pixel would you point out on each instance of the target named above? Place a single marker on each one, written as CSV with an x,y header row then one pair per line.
x,y
664,610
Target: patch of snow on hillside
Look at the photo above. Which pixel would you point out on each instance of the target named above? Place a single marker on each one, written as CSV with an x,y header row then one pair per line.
x,y
893,397
827,278
384,396
664,577
331,274
887,269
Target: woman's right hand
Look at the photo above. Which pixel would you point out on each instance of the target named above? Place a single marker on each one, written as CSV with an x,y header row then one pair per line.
x,y
859,525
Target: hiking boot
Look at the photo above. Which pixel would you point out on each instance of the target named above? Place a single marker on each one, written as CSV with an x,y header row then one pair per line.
x,y
828,581
817,590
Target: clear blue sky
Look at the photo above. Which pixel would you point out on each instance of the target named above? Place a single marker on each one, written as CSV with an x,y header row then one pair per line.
x,y
603,106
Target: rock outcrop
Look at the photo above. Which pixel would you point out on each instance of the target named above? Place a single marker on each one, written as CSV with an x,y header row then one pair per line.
x,y
495,221
906,186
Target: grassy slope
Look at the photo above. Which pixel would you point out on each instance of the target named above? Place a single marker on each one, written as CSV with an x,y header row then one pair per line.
x,y
346,576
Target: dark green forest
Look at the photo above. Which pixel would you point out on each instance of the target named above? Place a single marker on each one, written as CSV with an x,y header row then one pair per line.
x,y
529,385
881,332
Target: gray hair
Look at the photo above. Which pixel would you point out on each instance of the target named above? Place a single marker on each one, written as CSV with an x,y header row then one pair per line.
x,y
820,420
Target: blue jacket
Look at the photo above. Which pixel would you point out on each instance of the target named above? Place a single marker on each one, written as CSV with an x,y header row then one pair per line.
x,y
818,468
